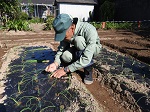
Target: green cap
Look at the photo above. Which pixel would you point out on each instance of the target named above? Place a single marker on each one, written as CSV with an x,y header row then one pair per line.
x,y
60,24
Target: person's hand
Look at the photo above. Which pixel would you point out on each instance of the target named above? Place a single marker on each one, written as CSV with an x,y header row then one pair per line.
x,y
58,73
52,67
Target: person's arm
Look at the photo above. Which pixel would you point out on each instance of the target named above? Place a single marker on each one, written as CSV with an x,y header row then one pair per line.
x,y
87,55
61,48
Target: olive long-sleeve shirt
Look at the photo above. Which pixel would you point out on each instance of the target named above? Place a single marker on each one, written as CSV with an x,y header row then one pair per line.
x,y
92,41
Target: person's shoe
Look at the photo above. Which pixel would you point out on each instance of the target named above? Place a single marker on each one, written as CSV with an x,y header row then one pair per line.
x,y
88,75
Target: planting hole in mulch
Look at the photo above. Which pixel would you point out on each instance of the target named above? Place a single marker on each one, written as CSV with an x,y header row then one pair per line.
x,y
28,88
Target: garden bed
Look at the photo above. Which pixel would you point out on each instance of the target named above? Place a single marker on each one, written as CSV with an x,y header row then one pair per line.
x,y
128,79
28,88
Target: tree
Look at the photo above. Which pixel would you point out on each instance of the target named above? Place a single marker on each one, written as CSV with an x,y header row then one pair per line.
x,y
10,9
107,11
104,10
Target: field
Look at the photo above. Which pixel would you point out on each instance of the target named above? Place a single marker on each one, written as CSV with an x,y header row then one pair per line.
x,y
121,74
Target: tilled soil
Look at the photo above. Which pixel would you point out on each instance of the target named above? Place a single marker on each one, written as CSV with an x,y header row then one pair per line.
x,y
134,44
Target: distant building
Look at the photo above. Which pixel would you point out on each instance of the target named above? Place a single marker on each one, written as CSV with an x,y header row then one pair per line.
x,y
76,8
83,9
38,8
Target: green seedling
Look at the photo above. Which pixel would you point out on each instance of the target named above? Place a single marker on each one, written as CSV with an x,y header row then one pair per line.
x,y
61,93
62,107
19,88
18,103
43,110
29,102
26,110
37,61
50,88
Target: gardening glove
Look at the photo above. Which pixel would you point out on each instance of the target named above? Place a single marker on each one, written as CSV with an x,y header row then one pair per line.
x,y
52,67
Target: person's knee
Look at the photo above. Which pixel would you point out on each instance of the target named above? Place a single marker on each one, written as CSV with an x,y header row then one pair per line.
x,y
67,57
79,43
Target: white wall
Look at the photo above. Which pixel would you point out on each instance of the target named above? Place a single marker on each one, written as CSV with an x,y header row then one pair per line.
x,y
80,11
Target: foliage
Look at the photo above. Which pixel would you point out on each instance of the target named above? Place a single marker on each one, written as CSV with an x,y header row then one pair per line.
x,y
31,10
13,18
17,25
10,8
36,20
49,23
107,11
104,11
23,16
96,25
113,25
